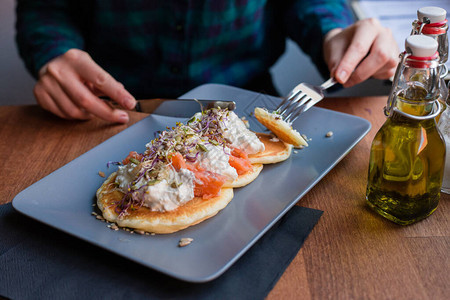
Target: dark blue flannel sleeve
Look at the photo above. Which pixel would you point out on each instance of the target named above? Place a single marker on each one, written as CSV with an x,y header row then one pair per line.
x,y
46,29
308,21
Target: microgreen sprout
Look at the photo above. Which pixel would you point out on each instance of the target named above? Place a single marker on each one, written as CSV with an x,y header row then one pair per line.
x,y
187,139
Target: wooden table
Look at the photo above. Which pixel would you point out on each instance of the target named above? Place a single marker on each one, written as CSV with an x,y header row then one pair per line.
x,y
352,253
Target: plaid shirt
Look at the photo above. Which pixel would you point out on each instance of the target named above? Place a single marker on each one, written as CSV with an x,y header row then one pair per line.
x,y
162,48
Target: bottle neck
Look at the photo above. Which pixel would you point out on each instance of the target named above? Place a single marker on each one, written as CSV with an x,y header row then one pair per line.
x,y
415,89
419,80
412,102
411,112
431,28
431,62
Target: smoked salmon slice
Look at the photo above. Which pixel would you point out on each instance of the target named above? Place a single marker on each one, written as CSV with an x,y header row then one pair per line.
x,y
239,160
207,184
132,155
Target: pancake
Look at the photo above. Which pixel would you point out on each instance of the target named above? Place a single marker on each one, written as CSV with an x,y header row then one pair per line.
x,y
275,150
280,128
161,153
245,178
188,214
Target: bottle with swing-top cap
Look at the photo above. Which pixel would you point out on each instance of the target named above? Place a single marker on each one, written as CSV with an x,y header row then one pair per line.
x,y
408,152
432,21
434,24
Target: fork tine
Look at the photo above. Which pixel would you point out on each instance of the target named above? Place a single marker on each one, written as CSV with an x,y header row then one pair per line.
x,y
295,91
311,104
285,105
301,98
284,102
282,109
297,102
292,104
300,109
292,94
287,101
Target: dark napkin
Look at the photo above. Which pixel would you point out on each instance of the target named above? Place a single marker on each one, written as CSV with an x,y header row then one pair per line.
x,y
40,262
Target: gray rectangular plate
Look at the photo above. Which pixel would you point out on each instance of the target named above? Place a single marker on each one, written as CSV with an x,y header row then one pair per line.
x,y
64,198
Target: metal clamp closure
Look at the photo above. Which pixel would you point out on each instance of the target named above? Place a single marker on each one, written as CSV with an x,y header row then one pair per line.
x,y
390,102
444,71
435,112
424,22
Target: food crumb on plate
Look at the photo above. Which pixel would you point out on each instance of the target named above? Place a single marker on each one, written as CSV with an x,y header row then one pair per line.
x,y
114,227
184,242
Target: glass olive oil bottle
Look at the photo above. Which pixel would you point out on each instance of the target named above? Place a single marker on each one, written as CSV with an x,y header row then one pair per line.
x,y
408,152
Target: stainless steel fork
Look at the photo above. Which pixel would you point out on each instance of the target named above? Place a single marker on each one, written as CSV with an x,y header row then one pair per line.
x,y
301,98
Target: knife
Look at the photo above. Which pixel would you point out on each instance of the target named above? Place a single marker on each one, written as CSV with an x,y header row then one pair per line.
x,y
182,108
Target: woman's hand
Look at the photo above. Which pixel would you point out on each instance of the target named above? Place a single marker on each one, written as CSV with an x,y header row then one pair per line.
x,y
360,51
70,85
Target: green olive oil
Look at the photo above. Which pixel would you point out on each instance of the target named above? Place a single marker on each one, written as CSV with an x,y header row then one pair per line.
x,y
406,159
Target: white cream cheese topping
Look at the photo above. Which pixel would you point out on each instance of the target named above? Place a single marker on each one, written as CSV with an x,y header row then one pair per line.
x,y
125,175
171,192
216,160
235,131
171,188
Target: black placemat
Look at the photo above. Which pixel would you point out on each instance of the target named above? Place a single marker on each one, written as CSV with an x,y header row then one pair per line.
x,y
39,262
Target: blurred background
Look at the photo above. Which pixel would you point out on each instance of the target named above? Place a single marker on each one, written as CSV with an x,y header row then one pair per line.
x,y
16,85
293,67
